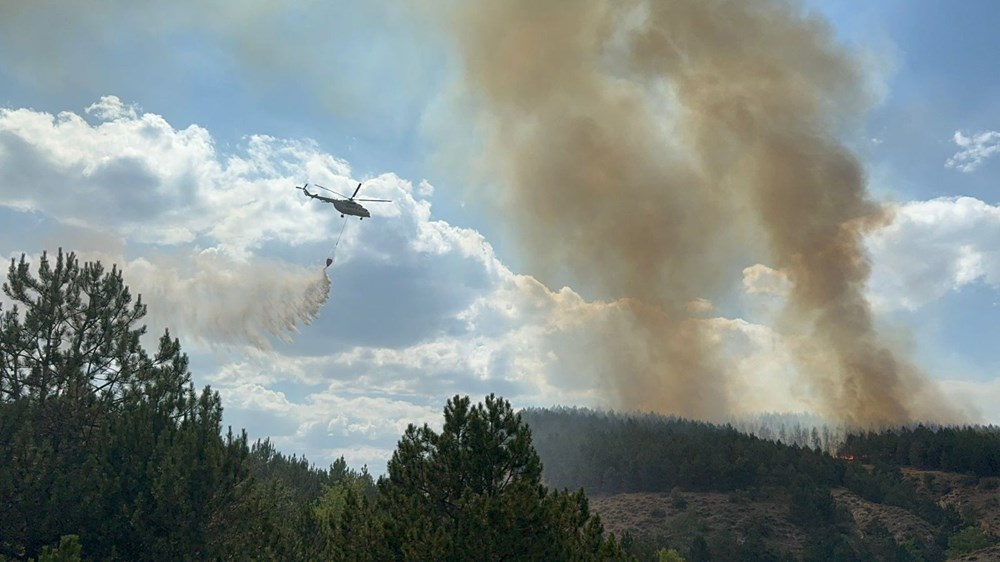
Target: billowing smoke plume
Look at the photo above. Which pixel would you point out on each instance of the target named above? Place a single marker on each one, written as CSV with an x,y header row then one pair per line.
x,y
648,145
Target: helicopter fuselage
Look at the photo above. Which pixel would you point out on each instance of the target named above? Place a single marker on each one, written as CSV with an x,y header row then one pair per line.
x,y
345,206
348,207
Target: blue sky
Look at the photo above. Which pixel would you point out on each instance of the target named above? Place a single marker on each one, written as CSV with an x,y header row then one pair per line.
x,y
942,83
168,139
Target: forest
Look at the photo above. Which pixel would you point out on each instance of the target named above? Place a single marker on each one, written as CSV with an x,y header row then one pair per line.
x,y
109,452
970,449
607,453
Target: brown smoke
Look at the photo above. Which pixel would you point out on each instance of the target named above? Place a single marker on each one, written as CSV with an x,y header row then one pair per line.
x,y
649,145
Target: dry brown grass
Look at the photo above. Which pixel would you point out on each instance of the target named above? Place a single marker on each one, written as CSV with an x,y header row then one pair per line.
x,y
706,513
979,498
901,523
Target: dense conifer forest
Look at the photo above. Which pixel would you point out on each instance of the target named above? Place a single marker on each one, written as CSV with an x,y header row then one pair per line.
x,y
108,452
974,450
606,454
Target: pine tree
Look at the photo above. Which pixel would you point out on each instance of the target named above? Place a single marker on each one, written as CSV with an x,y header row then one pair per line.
x,y
72,329
474,492
97,437
68,348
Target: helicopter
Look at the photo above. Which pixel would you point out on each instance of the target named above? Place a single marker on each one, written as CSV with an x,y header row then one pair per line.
x,y
347,205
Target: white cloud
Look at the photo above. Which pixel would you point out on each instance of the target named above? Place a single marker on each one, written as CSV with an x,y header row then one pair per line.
x,y
418,309
327,424
199,219
109,108
759,279
974,150
934,247
980,397
141,178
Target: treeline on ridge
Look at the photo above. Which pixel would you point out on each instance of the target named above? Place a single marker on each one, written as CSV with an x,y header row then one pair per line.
x,y
969,449
611,453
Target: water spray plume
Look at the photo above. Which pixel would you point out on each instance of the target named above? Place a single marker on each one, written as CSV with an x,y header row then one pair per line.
x,y
218,301
649,146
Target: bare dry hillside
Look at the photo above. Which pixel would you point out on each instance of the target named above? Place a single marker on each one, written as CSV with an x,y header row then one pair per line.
x,y
901,523
704,513
679,516
979,498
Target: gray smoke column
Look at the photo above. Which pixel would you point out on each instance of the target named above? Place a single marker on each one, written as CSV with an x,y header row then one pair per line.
x,y
647,147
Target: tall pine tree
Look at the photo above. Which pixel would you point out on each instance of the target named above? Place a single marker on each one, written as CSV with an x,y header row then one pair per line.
x,y
474,492
99,439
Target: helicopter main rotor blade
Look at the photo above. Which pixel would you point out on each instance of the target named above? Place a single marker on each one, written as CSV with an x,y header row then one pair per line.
x,y
330,190
374,200
356,191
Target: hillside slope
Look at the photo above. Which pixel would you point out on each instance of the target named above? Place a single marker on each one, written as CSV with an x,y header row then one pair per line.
x,y
677,518
716,493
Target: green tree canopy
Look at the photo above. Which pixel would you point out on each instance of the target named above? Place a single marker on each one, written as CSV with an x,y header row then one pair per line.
x,y
98,438
473,492
967,540
72,331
